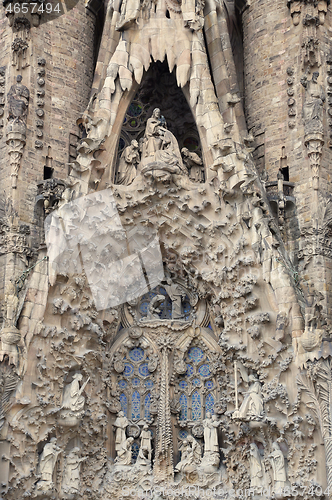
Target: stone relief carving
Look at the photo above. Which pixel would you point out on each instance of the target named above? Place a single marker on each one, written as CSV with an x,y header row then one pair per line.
x,y
277,460
129,160
256,467
46,465
71,475
72,407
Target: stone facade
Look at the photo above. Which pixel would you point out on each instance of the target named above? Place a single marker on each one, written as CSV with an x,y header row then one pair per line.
x,y
165,277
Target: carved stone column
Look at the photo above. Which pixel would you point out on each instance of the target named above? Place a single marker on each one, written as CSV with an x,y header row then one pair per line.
x,y
314,145
18,103
163,465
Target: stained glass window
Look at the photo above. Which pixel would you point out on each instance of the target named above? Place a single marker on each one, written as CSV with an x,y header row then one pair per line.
x,y
129,370
195,354
136,354
189,371
147,403
183,384
209,384
149,384
183,434
196,382
135,382
135,406
143,370
209,404
134,452
204,370
184,407
122,384
196,406
124,403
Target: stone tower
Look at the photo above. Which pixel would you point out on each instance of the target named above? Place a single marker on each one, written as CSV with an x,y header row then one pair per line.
x,y
165,249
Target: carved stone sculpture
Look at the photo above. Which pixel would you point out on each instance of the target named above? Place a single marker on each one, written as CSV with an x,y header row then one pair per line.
x,y
176,293
71,474
252,405
73,401
18,103
191,455
161,157
146,441
125,452
313,104
10,335
313,123
211,457
47,461
194,165
121,423
256,468
129,160
277,461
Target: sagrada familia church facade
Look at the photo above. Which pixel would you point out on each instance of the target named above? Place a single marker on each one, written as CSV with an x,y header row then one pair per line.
x,y
165,249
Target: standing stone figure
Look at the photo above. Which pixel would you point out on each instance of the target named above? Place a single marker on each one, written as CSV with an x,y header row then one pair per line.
x,y
121,423
18,102
73,402
129,160
146,440
277,461
71,474
47,461
210,425
313,105
256,468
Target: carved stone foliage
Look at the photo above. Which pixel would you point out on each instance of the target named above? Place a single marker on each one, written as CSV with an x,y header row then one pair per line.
x,y
20,54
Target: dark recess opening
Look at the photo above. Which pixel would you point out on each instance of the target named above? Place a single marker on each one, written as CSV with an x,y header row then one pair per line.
x,y
285,173
48,173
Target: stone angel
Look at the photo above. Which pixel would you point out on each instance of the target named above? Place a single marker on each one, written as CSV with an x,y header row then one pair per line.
x,y
252,407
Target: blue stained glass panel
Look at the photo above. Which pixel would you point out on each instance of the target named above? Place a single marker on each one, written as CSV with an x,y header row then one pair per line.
x,y
147,403
183,434
129,370
134,452
184,407
135,405
122,383
196,406
135,382
196,382
189,371
124,403
149,384
183,384
162,291
195,354
143,370
209,404
204,371
144,307
209,384
136,354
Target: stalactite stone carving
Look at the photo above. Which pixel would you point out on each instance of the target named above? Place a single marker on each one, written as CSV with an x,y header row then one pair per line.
x,y
18,104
